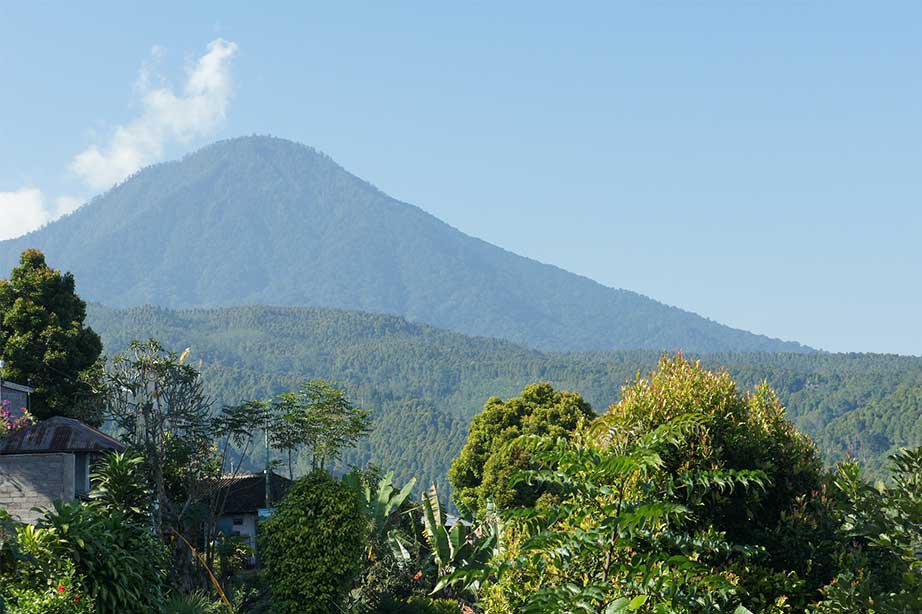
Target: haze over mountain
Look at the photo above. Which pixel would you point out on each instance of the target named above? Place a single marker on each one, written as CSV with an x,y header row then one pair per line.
x,y
261,220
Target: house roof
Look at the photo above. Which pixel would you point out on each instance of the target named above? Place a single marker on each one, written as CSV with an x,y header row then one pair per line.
x,y
246,492
58,434
17,387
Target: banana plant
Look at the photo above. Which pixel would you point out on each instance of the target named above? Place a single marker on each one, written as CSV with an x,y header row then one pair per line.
x,y
380,505
459,553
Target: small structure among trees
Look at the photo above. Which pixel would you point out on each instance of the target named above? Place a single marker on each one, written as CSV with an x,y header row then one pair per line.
x,y
47,462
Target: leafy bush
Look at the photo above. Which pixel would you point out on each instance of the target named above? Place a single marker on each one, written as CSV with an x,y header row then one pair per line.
x,y
194,603
123,564
61,592
312,546
119,484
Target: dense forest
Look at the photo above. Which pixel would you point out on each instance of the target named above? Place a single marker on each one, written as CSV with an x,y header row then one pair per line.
x,y
261,220
423,385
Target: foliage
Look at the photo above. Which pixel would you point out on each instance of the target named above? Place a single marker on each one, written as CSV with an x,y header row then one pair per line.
x,y
312,546
459,553
427,605
61,593
100,553
735,432
391,557
159,406
320,417
158,403
44,342
615,541
119,484
196,602
9,424
492,453
123,565
232,553
881,567
424,385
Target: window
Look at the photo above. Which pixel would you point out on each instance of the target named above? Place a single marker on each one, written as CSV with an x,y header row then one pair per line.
x,y
238,521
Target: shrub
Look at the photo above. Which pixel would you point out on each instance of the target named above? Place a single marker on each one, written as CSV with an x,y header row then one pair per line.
x,y
122,563
312,546
60,592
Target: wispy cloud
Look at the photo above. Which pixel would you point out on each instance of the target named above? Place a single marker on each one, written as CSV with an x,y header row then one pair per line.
x,y
26,209
166,117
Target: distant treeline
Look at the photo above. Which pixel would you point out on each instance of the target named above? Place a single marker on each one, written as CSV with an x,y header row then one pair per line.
x,y
424,385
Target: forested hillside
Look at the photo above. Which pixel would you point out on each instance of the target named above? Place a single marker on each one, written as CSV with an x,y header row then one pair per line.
x,y
261,220
424,384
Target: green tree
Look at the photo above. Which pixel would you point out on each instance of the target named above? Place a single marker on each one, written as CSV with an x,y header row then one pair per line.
x,y
312,547
158,403
320,417
736,431
45,344
614,542
492,453
881,529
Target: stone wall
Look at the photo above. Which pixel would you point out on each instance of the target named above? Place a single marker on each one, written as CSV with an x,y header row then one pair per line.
x,y
34,480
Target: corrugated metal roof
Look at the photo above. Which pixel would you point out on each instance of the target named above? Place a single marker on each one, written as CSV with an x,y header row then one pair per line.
x,y
246,493
17,387
58,434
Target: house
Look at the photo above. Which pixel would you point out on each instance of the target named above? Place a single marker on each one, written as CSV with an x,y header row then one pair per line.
x,y
244,497
48,461
16,394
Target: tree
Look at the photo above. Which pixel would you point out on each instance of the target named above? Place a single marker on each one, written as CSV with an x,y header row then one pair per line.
x,y
45,344
158,403
481,472
614,542
319,417
881,529
735,431
312,546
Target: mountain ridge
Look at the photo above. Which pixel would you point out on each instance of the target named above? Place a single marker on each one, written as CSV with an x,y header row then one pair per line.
x,y
424,384
263,220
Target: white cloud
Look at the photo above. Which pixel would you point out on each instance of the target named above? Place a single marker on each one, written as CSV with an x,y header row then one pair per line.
x,y
166,117
21,211
26,209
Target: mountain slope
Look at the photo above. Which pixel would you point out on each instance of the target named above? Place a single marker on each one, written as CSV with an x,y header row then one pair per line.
x,y
424,385
261,220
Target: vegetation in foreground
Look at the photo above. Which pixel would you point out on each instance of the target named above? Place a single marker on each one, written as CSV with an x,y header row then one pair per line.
x,y
687,496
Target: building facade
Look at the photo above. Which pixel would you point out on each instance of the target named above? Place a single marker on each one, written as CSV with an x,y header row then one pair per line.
x,y
49,461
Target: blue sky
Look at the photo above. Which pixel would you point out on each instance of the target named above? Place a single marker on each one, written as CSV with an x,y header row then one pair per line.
x,y
758,163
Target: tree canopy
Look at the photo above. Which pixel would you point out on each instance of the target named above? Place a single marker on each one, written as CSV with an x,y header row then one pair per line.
x,y
45,344
492,453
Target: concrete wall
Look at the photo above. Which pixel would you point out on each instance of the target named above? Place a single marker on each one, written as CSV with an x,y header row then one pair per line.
x,y
34,480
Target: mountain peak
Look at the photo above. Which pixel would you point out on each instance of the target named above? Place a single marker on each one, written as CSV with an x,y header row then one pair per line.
x,y
265,220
